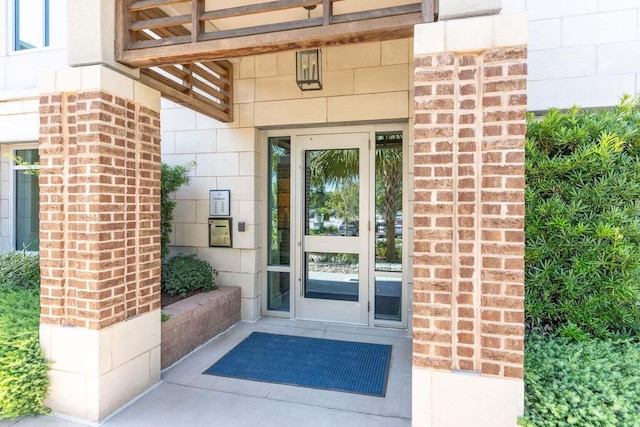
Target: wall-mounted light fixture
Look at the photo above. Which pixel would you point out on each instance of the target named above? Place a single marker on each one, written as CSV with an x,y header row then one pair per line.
x,y
309,69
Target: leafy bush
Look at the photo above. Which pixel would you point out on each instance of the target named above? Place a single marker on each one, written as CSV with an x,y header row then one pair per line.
x,y
23,370
19,270
182,274
172,178
594,383
583,222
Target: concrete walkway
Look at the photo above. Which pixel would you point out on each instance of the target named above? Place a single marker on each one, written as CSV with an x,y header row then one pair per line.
x,y
186,397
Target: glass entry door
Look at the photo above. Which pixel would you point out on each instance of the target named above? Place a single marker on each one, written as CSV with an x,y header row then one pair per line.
x,y
332,237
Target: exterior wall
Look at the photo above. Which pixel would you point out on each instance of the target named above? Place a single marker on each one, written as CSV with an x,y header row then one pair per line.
x,y
363,83
468,291
99,239
18,125
20,70
19,79
6,193
7,199
581,52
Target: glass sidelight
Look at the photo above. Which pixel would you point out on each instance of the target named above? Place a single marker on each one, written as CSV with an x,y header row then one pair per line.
x,y
279,228
389,226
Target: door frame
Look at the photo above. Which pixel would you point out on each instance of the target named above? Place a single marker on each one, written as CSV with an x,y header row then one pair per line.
x,y
407,203
349,312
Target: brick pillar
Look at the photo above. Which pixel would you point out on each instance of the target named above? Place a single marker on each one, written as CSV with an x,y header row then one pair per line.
x,y
468,289
99,240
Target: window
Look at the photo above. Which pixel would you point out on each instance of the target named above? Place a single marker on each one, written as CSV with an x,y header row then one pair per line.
x,y
27,201
39,23
279,178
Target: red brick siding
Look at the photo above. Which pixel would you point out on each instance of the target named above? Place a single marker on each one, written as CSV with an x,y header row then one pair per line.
x,y
469,211
100,209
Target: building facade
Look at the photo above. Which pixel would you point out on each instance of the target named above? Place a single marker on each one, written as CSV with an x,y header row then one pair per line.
x,y
439,115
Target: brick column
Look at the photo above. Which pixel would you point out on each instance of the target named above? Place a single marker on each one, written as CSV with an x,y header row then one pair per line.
x,y
468,291
99,239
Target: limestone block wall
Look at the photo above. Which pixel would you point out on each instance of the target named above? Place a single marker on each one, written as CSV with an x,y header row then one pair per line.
x,y
18,129
581,52
361,83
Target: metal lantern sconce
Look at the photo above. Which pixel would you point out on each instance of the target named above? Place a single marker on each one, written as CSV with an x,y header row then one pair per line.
x,y
309,69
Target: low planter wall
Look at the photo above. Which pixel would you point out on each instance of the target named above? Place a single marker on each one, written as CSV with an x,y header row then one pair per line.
x,y
195,320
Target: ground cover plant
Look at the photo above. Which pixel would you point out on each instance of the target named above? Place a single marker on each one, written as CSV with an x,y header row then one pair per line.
x,y
23,370
593,383
582,268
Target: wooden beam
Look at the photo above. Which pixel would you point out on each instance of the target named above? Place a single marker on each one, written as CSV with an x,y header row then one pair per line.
x,y
221,68
327,12
259,8
428,11
377,13
211,91
152,4
211,78
169,21
163,80
261,29
176,94
378,29
147,44
174,71
197,27
123,22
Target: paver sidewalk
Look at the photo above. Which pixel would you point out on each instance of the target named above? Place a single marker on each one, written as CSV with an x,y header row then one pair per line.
x,y
186,397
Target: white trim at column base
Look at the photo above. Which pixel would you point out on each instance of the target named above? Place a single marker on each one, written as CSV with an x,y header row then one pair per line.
x,y
95,372
454,399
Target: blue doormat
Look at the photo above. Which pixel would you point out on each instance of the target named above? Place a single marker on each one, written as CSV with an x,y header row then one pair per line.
x,y
348,366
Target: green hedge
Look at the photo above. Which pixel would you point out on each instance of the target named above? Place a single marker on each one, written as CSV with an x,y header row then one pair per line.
x,y
594,383
23,370
583,222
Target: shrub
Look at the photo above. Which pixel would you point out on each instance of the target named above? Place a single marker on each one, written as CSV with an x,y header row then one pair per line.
x,y
23,370
182,274
172,178
593,383
583,222
19,270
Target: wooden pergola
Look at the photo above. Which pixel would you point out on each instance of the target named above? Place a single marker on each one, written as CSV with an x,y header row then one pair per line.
x,y
182,46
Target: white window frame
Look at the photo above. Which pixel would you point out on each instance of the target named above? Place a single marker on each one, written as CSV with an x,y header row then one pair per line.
x,y
13,36
12,190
